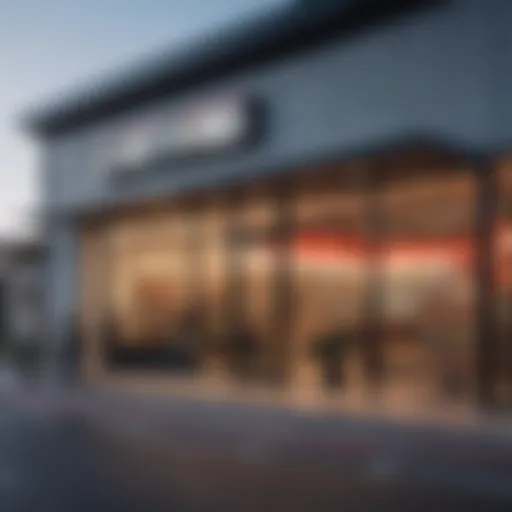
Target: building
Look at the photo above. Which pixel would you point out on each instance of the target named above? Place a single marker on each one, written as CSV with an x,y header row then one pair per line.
x,y
327,167
22,307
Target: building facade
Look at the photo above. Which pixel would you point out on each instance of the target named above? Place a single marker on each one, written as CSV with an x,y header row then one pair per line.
x,y
22,290
330,170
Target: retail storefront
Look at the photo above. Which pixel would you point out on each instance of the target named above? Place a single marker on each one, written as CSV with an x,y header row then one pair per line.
x,y
384,249
281,224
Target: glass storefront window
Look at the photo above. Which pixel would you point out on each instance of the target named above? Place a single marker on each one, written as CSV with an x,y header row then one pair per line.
x,y
428,281
304,268
503,282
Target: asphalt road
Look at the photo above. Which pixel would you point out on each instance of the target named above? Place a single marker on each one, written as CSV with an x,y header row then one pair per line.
x,y
55,462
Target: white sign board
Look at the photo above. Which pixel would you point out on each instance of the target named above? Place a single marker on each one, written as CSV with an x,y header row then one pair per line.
x,y
201,128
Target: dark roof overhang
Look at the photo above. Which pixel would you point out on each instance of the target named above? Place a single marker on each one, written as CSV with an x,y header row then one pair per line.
x,y
292,28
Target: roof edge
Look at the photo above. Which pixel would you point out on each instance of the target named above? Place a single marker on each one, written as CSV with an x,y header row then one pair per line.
x,y
288,29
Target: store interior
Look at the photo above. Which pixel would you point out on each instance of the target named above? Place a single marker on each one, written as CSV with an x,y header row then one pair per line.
x,y
359,277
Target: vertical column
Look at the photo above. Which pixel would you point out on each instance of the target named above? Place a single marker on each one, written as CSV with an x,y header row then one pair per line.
x,y
234,268
60,291
284,289
195,244
94,292
372,317
215,274
486,341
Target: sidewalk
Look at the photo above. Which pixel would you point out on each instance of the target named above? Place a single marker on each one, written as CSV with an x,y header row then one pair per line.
x,y
292,433
159,401
165,392
231,424
474,454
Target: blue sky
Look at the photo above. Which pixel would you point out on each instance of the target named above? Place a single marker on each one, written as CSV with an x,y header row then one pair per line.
x,y
50,46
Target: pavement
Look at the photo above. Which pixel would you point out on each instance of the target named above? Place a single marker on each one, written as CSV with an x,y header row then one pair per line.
x,y
65,449
52,463
9,378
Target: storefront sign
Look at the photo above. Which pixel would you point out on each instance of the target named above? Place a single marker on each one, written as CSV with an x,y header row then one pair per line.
x,y
201,129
